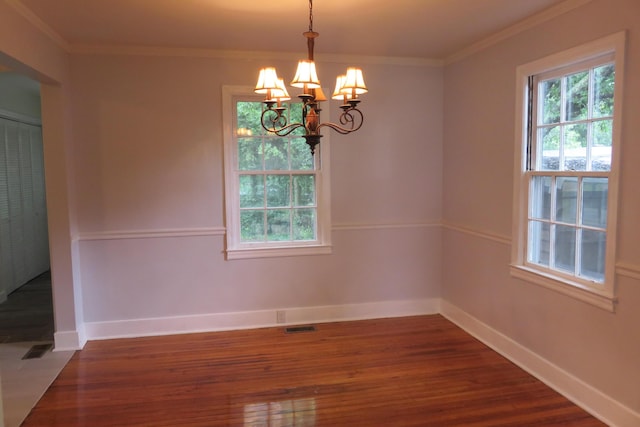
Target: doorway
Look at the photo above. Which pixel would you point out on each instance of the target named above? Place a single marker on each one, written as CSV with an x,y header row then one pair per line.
x,y
26,303
26,306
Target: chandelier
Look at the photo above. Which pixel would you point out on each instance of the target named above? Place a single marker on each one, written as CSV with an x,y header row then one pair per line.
x,y
348,87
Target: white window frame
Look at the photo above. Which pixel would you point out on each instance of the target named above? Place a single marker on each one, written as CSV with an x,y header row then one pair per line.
x,y
601,295
235,248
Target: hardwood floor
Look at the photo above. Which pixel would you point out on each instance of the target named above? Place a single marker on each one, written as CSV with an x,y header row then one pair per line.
x,y
414,371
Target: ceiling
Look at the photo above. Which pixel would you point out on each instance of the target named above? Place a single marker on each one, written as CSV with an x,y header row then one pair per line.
x,y
433,29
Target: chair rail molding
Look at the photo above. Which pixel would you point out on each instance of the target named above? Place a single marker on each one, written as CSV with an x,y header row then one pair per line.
x,y
150,234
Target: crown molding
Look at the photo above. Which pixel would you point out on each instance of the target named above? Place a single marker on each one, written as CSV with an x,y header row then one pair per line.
x,y
381,60
134,50
525,24
34,20
84,49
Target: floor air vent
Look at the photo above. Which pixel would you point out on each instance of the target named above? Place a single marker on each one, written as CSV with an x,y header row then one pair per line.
x,y
298,329
37,351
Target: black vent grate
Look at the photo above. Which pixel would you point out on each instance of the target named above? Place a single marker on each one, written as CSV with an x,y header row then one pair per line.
x,y
37,351
298,329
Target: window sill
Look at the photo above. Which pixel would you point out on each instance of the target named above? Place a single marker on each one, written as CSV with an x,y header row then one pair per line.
x,y
281,251
572,289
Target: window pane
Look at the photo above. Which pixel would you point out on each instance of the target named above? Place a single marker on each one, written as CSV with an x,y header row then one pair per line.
x,y
304,190
251,191
276,155
565,248
601,149
301,158
575,147
252,226
539,245
304,224
249,153
594,202
566,199
278,191
550,100
593,255
278,224
248,118
577,95
275,179
603,88
541,197
566,174
550,138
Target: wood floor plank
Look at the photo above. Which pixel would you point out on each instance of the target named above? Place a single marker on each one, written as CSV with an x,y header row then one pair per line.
x,y
413,371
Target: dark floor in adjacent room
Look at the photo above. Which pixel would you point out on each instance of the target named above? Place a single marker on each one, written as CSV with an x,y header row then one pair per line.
x,y
27,315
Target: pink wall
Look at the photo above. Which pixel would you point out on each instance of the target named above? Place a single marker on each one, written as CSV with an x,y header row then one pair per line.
x,y
601,348
148,156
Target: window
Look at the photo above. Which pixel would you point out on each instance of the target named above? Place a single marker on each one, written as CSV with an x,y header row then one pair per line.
x,y
277,193
566,179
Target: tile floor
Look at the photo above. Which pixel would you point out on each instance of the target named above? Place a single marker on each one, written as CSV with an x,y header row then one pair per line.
x,y
25,381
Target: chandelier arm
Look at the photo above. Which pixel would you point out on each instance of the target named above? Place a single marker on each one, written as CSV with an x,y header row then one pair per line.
x,y
284,131
274,122
347,118
272,119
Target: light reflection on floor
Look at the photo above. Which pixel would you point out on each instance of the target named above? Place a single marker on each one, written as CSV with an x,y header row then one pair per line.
x,y
284,413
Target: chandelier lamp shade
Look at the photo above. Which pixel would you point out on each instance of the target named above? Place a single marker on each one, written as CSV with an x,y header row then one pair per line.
x,y
349,87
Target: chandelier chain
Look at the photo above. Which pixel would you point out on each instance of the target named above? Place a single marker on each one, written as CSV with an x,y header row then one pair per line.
x,y
311,15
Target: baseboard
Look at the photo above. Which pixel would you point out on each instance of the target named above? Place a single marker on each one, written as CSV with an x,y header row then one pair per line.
x,y
582,394
258,319
69,340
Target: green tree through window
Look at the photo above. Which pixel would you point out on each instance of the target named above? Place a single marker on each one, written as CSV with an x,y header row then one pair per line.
x,y
575,88
277,180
